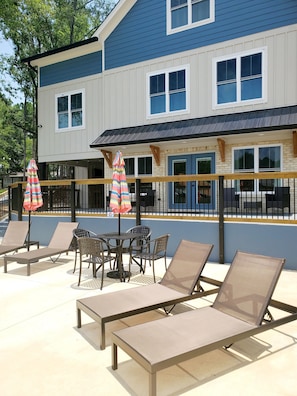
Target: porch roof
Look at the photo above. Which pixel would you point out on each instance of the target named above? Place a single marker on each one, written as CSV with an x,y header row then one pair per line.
x,y
228,124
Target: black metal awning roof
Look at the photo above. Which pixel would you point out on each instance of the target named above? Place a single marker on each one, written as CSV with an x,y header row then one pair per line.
x,y
237,123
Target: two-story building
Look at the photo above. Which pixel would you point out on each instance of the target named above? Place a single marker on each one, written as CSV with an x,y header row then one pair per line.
x,y
180,87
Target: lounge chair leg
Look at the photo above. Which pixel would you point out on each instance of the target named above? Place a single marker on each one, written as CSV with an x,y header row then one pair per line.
x,y
268,316
114,356
152,384
102,336
168,311
198,287
78,314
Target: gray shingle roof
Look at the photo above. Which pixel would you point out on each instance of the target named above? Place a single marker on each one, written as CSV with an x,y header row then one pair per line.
x,y
253,121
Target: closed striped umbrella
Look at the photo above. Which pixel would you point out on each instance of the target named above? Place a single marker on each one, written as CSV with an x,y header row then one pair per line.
x,y
33,196
119,198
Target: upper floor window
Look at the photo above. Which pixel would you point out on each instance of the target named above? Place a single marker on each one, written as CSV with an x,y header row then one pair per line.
x,y
255,160
240,79
167,92
186,14
70,111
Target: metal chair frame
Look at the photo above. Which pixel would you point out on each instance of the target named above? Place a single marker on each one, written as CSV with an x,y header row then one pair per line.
x,y
152,251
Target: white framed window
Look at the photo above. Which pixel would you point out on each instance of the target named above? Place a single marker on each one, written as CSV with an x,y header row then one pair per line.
x,y
187,14
168,92
70,111
139,166
257,159
240,78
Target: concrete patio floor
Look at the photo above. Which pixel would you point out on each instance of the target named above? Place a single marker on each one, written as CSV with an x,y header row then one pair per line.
x,y
43,353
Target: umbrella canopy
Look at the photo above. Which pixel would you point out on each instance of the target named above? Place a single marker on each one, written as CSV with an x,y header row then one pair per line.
x,y
33,196
119,198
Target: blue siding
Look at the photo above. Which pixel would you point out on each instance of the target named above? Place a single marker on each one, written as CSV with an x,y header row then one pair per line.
x,y
141,35
82,66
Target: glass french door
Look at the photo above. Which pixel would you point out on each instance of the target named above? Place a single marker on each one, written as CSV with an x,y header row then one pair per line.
x,y
192,194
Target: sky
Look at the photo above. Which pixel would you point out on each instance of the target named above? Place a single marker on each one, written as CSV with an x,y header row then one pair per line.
x,y
6,48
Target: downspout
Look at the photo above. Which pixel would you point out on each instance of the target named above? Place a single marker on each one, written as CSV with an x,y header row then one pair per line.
x,y
35,149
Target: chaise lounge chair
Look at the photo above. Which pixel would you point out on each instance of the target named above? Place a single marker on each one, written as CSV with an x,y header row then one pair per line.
x,y
59,243
237,313
14,237
177,285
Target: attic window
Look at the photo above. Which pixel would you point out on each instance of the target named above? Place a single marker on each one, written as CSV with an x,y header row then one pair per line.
x,y
187,14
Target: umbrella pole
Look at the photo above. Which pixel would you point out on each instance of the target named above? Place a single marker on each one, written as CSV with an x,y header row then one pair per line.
x,y
119,224
29,229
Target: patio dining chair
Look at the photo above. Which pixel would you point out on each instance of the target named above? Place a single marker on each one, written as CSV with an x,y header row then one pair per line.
x,y
279,200
79,233
91,250
231,199
137,245
152,250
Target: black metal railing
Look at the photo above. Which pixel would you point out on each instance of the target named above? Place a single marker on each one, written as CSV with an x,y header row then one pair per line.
x,y
244,197
4,209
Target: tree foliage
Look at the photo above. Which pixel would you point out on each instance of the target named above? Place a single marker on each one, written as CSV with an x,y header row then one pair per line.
x,y
34,27
14,140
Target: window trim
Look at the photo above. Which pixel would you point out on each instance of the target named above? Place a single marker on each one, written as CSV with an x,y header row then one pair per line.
x,y
170,30
238,56
69,94
167,72
256,149
136,157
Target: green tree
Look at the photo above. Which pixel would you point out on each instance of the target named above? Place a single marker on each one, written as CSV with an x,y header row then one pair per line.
x,y
37,26
13,138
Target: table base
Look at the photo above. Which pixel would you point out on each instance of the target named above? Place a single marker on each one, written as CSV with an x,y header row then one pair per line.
x,y
117,274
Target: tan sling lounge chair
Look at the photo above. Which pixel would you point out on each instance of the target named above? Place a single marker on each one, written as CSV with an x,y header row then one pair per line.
x,y
177,285
14,237
238,312
59,243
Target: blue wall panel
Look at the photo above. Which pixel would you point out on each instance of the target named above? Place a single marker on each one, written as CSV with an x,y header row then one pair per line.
x,y
82,66
141,35
269,239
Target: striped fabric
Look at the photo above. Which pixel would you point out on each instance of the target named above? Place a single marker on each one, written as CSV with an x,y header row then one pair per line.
x,y
33,196
119,198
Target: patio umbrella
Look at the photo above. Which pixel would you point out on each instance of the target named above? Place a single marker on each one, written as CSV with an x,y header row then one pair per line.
x,y
119,198
33,196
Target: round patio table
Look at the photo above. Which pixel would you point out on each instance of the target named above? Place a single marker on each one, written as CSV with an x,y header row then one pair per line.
x,y
119,273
